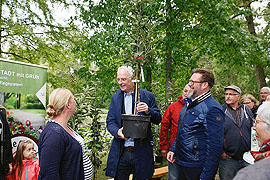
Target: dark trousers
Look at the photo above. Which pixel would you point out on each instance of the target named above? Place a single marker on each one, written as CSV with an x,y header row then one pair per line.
x,y
186,173
2,176
126,166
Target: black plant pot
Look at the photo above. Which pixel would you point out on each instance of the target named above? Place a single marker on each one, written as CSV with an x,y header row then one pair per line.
x,y
135,126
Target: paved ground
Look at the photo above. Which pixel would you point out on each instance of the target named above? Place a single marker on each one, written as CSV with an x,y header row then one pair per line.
x,y
37,120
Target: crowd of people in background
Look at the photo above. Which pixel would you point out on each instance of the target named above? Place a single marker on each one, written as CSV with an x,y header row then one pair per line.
x,y
239,113
198,136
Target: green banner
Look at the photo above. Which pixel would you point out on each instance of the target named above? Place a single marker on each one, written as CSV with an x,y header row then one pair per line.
x,y
25,78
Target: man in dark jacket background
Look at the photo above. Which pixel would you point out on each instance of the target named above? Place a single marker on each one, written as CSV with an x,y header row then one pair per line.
x,y
127,155
198,144
168,129
237,134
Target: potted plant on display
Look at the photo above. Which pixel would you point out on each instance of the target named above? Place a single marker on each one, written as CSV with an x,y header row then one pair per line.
x,y
136,125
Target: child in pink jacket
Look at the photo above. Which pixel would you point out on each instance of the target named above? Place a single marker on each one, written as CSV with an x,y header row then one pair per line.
x,y
25,164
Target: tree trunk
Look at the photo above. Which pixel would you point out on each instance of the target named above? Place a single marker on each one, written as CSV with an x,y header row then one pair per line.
x,y
258,68
148,73
168,82
168,73
260,76
2,98
230,78
19,101
7,95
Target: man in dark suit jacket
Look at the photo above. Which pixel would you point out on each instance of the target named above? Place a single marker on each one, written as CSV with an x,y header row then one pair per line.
x,y
127,155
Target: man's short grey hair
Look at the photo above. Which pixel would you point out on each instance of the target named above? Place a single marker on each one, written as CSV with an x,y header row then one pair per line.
x,y
264,113
265,88
127,68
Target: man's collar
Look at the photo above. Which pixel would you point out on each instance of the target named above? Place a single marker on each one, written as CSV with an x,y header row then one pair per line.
x,y
197,100
126,94
202,97
239,105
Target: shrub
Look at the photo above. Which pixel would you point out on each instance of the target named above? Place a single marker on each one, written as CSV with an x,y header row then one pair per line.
x,y
10,107
29,106
33,106
37,106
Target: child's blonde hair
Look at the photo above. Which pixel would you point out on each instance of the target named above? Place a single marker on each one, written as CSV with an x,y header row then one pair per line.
x,y
19,156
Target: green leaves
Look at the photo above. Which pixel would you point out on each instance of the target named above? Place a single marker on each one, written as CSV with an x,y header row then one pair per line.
x,y
194,33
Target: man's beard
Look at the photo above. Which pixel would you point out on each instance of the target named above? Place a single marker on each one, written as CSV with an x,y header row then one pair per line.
x,y
194,93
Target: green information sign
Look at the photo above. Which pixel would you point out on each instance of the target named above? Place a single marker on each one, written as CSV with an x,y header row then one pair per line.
x,y
19,77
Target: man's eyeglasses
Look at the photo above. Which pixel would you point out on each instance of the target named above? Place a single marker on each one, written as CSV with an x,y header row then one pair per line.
x,y
122,79
230,94
247,102
191,82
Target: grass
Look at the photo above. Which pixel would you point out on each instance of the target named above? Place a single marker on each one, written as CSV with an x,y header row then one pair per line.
x,y
101,171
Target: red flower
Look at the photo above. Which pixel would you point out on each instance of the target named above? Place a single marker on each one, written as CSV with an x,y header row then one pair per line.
x,y
28,123
23,129
7,113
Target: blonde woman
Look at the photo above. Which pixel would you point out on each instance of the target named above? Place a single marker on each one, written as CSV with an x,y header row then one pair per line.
x,y
61,149
251,102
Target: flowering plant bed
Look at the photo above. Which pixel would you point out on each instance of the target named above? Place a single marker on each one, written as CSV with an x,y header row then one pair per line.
x,y
17,127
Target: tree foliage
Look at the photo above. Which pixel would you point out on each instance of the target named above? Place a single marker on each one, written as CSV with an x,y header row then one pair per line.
x,y
87,119
31,33
175,36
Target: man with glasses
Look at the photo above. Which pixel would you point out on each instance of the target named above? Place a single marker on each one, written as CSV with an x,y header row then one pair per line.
x,y
127,155
264,92
237,133
198,144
